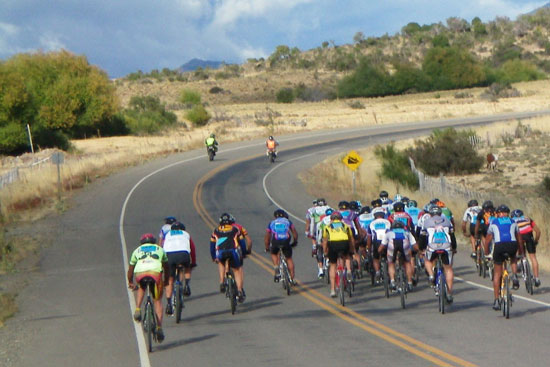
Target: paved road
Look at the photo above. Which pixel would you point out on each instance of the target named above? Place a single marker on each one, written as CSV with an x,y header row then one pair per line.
x,y
76,311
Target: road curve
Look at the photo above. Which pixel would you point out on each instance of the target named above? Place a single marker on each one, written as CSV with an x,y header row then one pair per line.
x,y
76,310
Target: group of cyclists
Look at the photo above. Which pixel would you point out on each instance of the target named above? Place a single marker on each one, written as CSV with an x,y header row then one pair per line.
x,y
271,144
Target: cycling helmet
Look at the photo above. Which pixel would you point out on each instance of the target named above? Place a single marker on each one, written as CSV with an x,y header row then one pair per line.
x,y
343,205
488,205
354,205
231,218
336,216
378,212
398,206
397,224
376,203
178,225
435,210
212,135
472,202
315,202
405,200
384,194
517,213
170,220
440,204
321,201
397,197
329,211
225,218
412,204
147,238
270,137
365,209
280,213
434,201
503,209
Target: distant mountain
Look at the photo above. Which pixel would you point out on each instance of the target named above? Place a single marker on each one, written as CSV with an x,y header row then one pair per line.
x,y
547,5
194,64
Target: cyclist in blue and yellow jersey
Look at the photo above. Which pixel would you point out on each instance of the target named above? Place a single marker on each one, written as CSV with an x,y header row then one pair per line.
x,y
504,233
180,249
337,238
168,221
398,239
527,227
375,234
211,142
149,260
439,232
278,236
225,243
469,223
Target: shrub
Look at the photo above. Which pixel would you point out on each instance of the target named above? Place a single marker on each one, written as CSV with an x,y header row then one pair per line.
x,y
191,97
285,95
198,115
513,71
215,90
395,166
546,183
147,115
368,80
356,105
446,151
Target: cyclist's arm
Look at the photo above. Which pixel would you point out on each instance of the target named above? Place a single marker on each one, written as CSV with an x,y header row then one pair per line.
x,y
294,233
130,276
536,229
193,253
213,248
267,239
488,240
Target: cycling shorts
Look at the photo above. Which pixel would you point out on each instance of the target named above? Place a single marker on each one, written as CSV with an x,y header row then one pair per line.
x,y
422,242
375,253
446,257
157,277
177,258
504,247
394,248
473,229
335,248
234,256
284,245
529,243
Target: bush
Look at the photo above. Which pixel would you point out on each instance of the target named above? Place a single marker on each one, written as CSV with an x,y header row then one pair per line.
x,y
546,183
147,115
513,71
446,151
356,105
191,97
198,115
285,95
367,81
215,90
396,166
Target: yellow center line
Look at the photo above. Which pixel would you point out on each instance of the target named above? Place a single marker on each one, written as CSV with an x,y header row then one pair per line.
x,y
353,317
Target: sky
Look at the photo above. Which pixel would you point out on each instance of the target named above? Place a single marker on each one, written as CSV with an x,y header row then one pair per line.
x,y
124,36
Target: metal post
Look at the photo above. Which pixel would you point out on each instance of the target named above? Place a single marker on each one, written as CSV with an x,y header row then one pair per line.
x,y
30,138
59,180
353,182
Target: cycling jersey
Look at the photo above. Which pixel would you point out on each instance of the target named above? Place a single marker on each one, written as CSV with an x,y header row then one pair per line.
x,y
337,232
316,214
438,230
225,237
503,230
148,258
365,220
525,225
210,141
398,239
325,220
403,217
377,229
177,240
348,217
163,230
271,144
280,229
413,212
470,214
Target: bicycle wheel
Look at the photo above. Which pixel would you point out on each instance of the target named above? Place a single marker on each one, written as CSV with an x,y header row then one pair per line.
x,y
149,325
287,280
350,285
528,277
232,294
403,286
484,265
341,289
479,260
506,298
178,297
442,292
386,278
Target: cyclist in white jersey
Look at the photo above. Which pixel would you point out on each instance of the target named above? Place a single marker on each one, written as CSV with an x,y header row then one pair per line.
x,y
469,223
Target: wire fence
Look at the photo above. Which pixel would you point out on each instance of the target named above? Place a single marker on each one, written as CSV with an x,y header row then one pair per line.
x,y
17,173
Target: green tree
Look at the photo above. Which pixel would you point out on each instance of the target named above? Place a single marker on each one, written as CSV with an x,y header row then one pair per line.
x,y
410,29
368,80
479,28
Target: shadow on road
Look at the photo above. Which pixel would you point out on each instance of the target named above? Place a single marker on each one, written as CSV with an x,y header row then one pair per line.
x,y
179,343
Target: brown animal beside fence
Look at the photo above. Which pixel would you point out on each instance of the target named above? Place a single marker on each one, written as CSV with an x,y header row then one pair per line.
x,y
492,160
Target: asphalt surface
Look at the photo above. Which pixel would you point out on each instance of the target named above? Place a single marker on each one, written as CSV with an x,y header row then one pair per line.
x,y
77,311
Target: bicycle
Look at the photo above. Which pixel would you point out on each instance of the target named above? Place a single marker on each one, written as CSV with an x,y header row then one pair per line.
x,y
211,152
150,321
284,273
418,267
384,275
341,280
525,267
440,288
272,156
231,290
177,294
480,258
367,265
400,279
505,297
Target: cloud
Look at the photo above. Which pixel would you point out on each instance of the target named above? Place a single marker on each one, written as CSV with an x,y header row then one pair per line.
x,y
51,42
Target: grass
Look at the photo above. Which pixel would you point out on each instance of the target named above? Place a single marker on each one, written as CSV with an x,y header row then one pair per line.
x,y
8,306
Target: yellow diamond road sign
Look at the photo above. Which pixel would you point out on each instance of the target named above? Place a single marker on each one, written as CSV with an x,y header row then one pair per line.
x,y
352,160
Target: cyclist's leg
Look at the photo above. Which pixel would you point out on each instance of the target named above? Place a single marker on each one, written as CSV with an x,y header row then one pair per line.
x,y
158,302
531,249
332,258
236,265
287,251
498,260
408,261
448,268
391,261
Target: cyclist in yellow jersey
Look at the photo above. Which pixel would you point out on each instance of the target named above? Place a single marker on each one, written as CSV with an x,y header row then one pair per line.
x,y
149,260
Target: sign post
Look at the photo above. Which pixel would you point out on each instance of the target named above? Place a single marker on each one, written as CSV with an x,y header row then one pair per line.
x,y
352,160
58,159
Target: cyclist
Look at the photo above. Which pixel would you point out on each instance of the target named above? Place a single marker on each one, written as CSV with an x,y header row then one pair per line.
x,y
149,260
375,234
245,242
211,142
504,232
325,220
469,224
168,221
225,244
364,219
278,235
400,215
271,145
386,201
180,249
526,228
398,238
309,234
440,236
337,238
355,206
483,219
412,209
318,212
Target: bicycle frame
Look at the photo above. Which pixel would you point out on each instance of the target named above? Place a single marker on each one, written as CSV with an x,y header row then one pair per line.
x,y
284,273
505,294
440,288
177,293
150,320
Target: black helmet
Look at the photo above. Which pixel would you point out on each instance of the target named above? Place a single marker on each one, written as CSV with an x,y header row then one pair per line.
x,y
405,200
472,202
280,213
354,205
231,218
398,206
315,202
412,204
503,209
517,213
343,205
384,194
270,137
170,220
147,238
212,135
321,201
397,224
435,210
336,215
365,209
376,203
178,225
488,205
434,201
225,218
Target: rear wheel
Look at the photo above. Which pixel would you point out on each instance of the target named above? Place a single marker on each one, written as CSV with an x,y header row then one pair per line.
x,y
479,260
384,273
402,286
505,298
149,325
341,289
232,293
442,292
178,302
528,277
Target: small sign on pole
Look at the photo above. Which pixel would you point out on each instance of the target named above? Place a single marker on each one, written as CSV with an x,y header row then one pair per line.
x,y
352,160
58,158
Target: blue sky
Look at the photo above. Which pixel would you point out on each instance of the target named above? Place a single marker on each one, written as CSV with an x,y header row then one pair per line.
x,y
123,36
